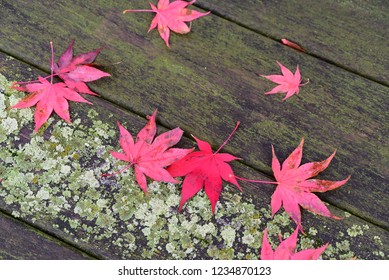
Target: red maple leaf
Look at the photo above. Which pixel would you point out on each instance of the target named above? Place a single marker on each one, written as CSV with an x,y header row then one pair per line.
x,y
204,169
287,250
171,16
288,82
295,189
76,71
48,97
150,157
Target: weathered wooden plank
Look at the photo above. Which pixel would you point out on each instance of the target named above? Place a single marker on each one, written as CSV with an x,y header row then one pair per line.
x,y
53,181
206,92
351,34
21,241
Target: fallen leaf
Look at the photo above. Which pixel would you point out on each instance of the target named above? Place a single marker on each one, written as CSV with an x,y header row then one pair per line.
x,y
287,250
292,45
48,97
295,189
149,158
289,83
204,169
171,16
76,71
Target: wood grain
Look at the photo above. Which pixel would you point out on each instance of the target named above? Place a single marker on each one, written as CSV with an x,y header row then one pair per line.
x,y
209,79
351,34
204,83
350,237
18,241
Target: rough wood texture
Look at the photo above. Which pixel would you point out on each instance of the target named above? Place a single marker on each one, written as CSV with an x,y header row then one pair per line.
x,y
112,218
106,218
21,241
351,34
205,93
204,83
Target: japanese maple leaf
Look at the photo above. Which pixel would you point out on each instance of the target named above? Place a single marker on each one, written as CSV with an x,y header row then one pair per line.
x,y
287,250
76,71
204,169
48,97
288,82
295,189
171,16
148,157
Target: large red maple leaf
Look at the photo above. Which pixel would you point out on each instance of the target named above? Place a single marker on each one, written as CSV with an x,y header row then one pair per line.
x,y
289,83
76,71
295,188
287,250
171,16
204,169
48,97
148,157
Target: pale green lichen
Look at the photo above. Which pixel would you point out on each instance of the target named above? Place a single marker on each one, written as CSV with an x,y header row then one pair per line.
x,y
312,231
56,179
379,254
43,193
355,230
377,240
9,125
228,234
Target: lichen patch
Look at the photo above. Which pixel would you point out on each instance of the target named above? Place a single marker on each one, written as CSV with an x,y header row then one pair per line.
x,y
54,179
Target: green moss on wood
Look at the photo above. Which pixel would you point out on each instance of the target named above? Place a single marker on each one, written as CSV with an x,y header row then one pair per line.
x,y
208,80
55,178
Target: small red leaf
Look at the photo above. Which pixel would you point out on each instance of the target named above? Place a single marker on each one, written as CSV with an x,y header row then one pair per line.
x,y
289,83
292,45
76,71
48,97
287,250
171,16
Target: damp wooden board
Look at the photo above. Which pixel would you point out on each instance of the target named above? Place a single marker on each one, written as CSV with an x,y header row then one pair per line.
x,y
19,240
205,93
350,34
95,219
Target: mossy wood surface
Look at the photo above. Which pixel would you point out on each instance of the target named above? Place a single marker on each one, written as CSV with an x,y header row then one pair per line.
x,y
351,34
53,181
209,79
204,84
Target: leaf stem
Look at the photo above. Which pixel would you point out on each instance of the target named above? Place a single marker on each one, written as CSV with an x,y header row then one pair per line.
x,y
117,172
149,11
256,181
307,82
229,137
52,61
34,81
